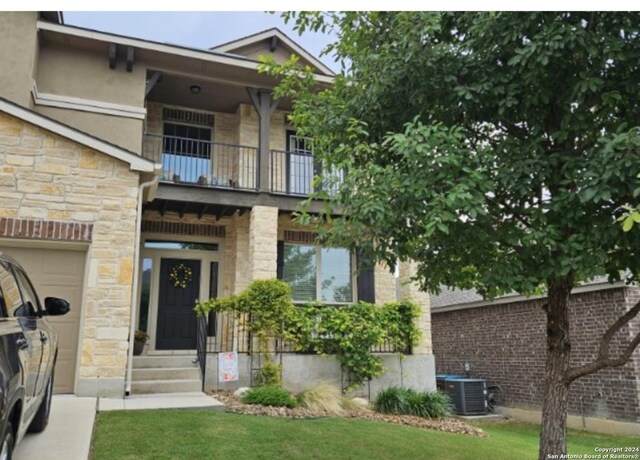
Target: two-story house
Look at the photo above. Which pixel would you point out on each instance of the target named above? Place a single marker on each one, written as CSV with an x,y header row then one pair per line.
x,y
128,164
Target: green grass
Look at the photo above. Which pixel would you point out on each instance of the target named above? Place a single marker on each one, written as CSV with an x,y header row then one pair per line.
x,y
193,434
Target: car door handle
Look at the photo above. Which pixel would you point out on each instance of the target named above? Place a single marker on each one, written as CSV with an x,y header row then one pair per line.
x,y
22,343
43,337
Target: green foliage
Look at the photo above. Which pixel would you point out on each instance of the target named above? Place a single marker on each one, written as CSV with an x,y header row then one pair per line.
x,y
268,301
349,331
141,336
398,400
269,374
630,217
494,149
272,395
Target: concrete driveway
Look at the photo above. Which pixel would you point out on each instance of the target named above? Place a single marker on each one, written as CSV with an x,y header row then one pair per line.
x,y
68,435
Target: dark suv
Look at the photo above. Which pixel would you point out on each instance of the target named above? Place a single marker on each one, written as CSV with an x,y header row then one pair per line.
x,y
28,351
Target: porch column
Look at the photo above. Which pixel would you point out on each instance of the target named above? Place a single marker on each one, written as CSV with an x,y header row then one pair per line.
x,y
265,105
411,290
263,242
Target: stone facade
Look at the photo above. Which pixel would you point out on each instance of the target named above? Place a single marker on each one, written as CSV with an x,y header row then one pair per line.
x,y
505,344
263,243
48,178
410,290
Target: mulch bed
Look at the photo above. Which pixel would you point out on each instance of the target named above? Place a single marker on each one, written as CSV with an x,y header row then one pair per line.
x,y
448,425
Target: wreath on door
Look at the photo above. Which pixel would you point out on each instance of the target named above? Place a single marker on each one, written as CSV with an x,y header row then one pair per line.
x,y
180,276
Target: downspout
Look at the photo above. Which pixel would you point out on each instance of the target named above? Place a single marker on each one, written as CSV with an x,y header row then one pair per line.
x,y
134,287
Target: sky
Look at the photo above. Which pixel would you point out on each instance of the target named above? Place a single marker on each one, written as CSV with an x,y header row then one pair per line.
x,y
195,29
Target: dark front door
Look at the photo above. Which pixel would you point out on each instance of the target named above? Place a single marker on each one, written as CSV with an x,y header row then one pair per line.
x,y
179,289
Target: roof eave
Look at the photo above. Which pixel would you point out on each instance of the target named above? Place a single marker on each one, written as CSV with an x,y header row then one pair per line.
x,y
135,161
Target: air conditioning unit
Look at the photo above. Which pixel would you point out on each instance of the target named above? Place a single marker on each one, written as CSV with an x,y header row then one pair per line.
x,y
468,396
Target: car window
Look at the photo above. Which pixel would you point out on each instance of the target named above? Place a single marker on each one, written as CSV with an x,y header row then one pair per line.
x,y
30,303
10,291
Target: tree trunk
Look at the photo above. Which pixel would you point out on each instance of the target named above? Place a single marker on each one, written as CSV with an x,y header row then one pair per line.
x,y
553,435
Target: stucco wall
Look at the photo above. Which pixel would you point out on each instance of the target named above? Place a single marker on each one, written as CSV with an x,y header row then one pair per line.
x,y
18,55
301,371
46,177
80,74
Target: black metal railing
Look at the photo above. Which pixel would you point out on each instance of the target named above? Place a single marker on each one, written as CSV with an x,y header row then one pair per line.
x,y
201,346
292,173
204,163
230,331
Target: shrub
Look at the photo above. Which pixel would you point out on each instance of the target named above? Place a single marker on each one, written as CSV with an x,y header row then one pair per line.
x,y
398,400
356,404
271,395
323,397
269,375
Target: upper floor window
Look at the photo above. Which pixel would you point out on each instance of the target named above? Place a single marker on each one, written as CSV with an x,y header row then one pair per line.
x,y
301,165
318,274
186,151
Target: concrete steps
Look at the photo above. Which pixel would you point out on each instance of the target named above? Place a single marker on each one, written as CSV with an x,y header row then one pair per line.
x,y
165,374
165,386
147,361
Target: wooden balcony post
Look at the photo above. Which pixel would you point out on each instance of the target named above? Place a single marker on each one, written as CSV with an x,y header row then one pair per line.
x,y
265,105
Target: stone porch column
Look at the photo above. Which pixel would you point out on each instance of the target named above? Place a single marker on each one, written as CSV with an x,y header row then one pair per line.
x,y
263,242
410,289
241,254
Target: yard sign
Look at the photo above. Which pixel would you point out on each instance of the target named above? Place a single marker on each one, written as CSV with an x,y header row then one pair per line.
x,y
228,367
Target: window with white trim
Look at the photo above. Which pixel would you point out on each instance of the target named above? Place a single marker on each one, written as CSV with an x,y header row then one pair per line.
x,y
318,274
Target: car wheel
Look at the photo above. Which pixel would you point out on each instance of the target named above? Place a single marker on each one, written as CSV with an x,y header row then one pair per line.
x,y
6,451
40,421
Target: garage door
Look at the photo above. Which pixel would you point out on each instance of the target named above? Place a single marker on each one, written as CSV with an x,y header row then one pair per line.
x,y
58,273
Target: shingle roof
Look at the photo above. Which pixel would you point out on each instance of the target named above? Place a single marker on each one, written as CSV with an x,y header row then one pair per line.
x,y
450,297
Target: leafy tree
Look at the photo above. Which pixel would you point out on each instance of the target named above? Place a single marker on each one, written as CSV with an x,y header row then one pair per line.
x,y
492,149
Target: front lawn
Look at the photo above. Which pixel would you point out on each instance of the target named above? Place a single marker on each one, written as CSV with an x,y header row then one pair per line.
x,y
191,434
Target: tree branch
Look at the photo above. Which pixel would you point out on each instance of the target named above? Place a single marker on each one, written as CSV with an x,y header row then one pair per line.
x,y
603,360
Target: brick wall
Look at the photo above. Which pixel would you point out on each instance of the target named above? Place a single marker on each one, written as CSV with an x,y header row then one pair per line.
x,y
506,345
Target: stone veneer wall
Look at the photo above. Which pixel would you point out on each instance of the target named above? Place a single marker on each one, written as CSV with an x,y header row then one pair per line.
x,y
48,178
410,290
505,344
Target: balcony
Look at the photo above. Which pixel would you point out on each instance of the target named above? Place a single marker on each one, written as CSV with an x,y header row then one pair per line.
x,y
235,167
292,173
203,163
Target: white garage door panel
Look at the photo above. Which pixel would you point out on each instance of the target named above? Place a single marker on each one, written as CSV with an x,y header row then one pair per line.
x,y
58,273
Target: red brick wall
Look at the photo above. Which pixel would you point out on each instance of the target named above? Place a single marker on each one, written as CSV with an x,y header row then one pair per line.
x,y
505,344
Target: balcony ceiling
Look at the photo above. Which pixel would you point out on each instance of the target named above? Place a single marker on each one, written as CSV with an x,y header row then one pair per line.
x,y
214,96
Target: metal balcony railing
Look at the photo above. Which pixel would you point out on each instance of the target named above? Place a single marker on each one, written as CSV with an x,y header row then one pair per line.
x,y
204,163
292,173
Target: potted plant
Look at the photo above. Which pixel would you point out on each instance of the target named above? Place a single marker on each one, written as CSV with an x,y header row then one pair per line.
x,y
139,339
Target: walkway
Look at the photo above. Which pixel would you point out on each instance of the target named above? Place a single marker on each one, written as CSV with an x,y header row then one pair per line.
x,y
68,435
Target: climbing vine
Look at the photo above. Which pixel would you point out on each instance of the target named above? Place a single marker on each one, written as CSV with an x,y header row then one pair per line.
x,y
350,332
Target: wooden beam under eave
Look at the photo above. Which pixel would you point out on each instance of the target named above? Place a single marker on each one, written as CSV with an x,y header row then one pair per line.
x,y
274,43
163,208
129,58
203,210
221,213
185,205
112,55
151,82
